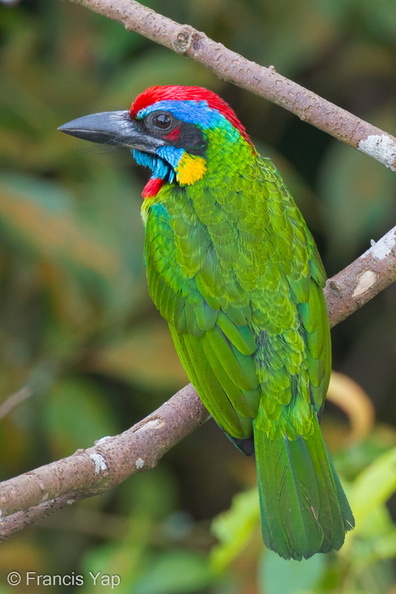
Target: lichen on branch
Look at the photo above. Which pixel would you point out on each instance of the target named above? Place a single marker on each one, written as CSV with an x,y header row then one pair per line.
x,y
27,499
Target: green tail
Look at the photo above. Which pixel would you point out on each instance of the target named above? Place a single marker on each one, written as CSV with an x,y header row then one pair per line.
x,y
304,509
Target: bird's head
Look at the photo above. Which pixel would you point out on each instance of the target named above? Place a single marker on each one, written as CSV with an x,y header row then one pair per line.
x,y
174,130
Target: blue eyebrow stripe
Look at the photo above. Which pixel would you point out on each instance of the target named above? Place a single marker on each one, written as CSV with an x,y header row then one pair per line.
x,y
192,112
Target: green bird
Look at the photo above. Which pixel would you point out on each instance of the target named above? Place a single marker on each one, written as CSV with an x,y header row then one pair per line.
x,y
234,270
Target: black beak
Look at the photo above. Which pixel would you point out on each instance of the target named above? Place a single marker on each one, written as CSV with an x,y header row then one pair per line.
x,y
113,127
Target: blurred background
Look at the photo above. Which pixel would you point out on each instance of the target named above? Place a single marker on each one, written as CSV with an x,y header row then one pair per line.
x,y
87,355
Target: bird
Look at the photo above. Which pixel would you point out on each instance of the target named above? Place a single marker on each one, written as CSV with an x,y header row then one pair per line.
x,y
235,272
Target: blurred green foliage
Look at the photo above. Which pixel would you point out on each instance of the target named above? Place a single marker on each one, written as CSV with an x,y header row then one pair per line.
x,y
76,324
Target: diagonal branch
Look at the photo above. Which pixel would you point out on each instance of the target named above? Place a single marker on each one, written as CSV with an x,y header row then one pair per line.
x,y
26,499
262,81
362,280
30,497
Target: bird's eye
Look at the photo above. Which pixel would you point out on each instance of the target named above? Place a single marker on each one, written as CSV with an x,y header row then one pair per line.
x,y
160,120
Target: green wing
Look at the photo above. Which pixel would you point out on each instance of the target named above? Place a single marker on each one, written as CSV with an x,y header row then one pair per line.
x,y
236,274
213,341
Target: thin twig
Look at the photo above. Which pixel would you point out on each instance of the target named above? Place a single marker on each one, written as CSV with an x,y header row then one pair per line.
x,y
14,400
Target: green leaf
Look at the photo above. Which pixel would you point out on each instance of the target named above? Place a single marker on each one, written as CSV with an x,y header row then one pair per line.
x,y
386,546
373,487
278,576
176,572
234,528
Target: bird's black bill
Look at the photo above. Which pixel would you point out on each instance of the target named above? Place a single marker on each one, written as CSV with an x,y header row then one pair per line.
x,y
112,127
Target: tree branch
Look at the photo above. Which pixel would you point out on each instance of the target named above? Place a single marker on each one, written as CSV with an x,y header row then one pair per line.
x,y
362,280
26,499
30,497
262,81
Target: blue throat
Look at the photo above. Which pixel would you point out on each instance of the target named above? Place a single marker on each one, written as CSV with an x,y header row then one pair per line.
x,y
160,169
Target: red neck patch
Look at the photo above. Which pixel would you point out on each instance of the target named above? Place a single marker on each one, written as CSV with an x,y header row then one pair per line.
x,y
152,187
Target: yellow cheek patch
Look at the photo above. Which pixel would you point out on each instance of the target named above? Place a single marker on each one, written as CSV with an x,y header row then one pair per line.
x,y
190,169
